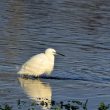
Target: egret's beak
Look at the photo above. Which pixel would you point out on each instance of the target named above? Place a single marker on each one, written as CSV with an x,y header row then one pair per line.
x,y
60,54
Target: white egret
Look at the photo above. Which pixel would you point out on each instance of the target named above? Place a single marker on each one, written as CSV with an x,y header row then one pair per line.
x,y
39,64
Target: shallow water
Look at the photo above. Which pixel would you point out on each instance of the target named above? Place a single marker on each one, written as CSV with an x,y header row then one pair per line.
x,y
78,29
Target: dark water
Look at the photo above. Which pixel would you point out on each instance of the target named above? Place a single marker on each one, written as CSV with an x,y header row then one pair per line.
x,y
80,29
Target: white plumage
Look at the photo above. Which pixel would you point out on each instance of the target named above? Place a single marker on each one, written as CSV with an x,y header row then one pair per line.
x,y
39,64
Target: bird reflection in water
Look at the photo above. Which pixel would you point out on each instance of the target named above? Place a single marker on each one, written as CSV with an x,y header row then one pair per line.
x,y
38,91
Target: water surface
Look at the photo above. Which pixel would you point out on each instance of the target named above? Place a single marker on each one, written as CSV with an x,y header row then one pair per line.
x,y
78,29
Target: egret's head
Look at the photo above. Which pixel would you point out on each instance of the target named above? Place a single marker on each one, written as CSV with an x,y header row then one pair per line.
x,y
50,51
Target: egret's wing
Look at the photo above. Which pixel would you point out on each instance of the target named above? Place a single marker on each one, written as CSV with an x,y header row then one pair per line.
x,y
36,65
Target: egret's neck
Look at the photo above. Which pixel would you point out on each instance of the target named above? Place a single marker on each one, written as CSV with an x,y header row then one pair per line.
x,y
50,67
50,57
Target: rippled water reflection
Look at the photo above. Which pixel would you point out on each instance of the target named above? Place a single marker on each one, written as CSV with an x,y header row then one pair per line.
x,y
37,91
79,29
